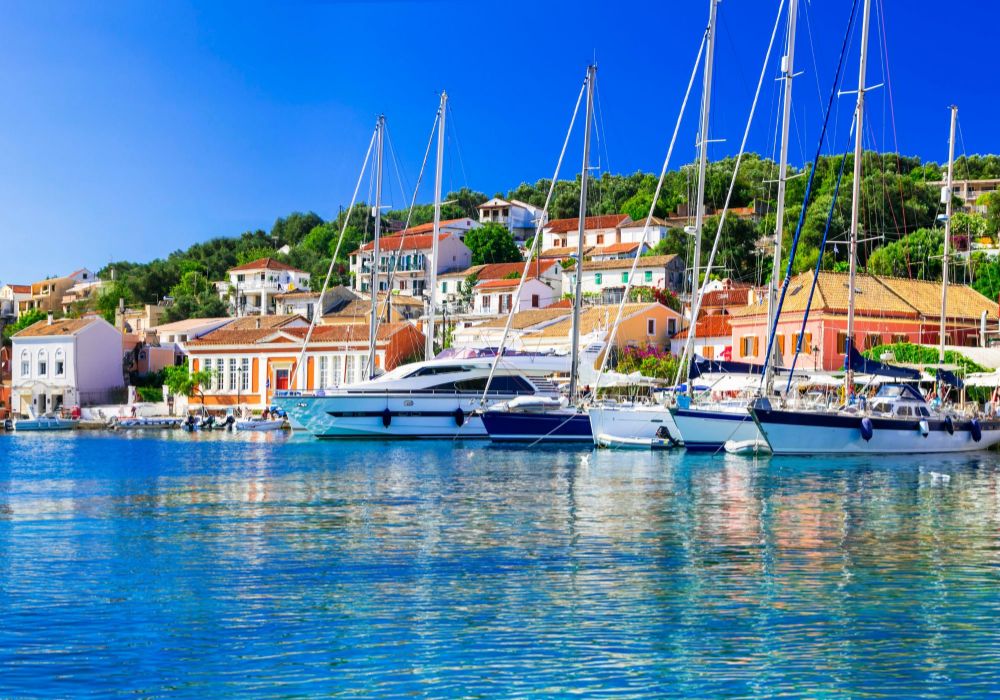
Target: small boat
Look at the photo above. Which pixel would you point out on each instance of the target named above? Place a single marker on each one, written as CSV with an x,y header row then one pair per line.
x,y
259,424
748,448
634,443
49,421
145,423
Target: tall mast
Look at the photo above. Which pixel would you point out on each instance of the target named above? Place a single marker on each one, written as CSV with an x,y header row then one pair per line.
x,y
574,367
859,119
373,326
947,232
706,98
788,71
429,347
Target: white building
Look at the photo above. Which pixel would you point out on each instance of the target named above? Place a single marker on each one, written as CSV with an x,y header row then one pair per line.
x,y
11,297
520,218
497,296
451,284
598,231
251,288
68,362
608,278
178,333
631,232
617,251
405,261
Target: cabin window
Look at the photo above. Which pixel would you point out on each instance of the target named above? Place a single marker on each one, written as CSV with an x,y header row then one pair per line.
x,y
650,326
25,364
597,278
648,275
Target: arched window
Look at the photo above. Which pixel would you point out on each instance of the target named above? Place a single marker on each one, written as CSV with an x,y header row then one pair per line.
x,y
25,364
43,363
60,361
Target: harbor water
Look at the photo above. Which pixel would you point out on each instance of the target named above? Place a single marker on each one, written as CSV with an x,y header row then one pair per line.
x,y
274,565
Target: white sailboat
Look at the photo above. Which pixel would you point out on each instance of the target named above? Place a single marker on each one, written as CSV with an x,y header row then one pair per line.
x,y
897,420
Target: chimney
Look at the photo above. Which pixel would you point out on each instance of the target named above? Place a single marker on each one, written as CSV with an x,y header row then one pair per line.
x,y
49,319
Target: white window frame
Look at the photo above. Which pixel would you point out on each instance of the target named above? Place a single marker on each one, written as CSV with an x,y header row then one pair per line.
x,y
25,363
244,374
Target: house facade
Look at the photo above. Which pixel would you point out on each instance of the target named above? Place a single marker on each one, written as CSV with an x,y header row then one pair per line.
x,y
248,366
598,231
405,262
499,296
68,362
451,297
888,310
607,278
47,295
520,218
251,288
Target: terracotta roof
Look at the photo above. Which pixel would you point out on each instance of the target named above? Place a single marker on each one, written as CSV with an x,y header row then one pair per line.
x,y
724,298
429,227
400,241
296,295
498,284
496,271
495,202
20,288
615,248
594,318
564,252
263,322
589,224
188,324
58,327
343,333
462,274
527,319
645,262
886,297
227,336
715,326
641,223
265,264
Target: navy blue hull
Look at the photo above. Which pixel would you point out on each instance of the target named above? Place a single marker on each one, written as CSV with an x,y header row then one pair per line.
x,y
506,426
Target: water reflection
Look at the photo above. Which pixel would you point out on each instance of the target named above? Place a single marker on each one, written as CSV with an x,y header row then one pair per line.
x,y
239,564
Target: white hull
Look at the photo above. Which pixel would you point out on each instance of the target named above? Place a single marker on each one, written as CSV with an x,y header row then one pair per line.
x,y
346,416
748,447
635,426
38,424
147,423
802,440
707,429
259,425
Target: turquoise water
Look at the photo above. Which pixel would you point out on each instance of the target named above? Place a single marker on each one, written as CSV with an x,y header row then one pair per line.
x,y
272,566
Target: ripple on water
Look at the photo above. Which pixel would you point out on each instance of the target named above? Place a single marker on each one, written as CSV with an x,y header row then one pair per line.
x,y
224,565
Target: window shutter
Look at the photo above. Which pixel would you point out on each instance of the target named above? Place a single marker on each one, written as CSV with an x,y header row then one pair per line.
x,y
756,345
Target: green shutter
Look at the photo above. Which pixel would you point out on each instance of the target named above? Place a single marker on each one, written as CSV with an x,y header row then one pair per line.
x,y
649,275
624,278
597,278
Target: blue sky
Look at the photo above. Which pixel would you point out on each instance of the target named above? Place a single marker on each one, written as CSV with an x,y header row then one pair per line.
x,y
131,129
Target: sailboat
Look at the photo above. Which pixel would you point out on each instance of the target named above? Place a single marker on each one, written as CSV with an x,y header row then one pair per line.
x,y
710,425
547,421
898,420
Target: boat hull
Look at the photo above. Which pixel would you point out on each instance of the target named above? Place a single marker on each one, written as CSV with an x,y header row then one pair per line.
x,y
43,424
410,417
624,424
705,430
543,427
805,433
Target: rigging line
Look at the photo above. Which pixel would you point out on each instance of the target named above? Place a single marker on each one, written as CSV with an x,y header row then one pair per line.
x,y
812,51
599,112
819,266
395,163
534,244
394,260
649,217
805,199
333,261
453,129
696,305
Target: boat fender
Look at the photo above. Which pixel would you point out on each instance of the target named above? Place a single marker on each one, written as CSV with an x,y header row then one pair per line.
x,y
386,418
925,428
976,429
867,429
949,425
459,417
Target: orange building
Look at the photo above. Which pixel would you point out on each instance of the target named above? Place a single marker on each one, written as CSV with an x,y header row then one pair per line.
x,y
249,364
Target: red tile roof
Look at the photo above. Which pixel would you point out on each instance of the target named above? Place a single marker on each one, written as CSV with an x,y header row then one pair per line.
x,y
564,252
20,288
498,284
496,271
724,298
427,228
265,264
399,241
343,333
615,248
590,223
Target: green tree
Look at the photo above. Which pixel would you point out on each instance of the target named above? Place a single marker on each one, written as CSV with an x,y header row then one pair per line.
x,y
26,319
290,230
492,243
181,381
109,299
249,255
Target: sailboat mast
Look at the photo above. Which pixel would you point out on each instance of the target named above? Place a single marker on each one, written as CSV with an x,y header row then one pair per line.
x,y
788,71
574,367
373,326
706,97
859,117
432,300
947,232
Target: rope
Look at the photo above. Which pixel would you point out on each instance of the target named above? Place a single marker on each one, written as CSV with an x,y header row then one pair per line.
x,y
649,218
696,307
805,200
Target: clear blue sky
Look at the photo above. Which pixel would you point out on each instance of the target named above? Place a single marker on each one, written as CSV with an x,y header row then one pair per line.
x,y
130,129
